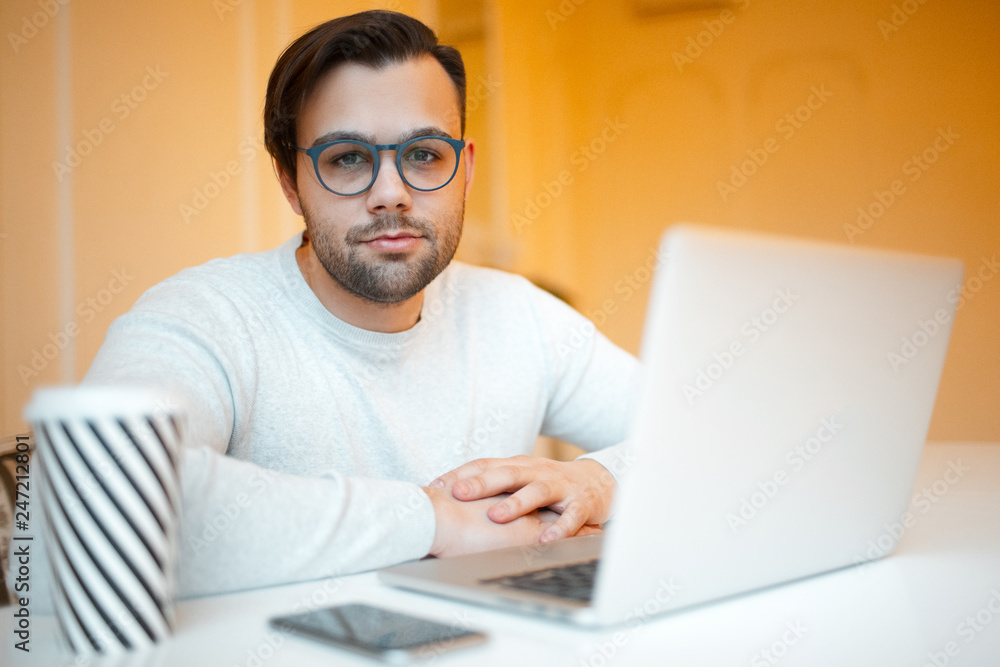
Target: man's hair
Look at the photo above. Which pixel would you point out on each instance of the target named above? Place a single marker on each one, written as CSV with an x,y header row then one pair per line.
x,y
377,39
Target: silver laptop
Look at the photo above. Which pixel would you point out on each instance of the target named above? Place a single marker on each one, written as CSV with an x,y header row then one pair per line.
x,y
788,390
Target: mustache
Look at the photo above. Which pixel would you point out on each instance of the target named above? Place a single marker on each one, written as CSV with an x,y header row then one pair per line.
x,y
388,223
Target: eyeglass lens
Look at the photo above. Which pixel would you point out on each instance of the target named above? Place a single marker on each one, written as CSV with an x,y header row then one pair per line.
x,y
346,167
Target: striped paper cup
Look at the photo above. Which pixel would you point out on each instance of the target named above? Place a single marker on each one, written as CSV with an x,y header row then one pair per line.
x,y
106,463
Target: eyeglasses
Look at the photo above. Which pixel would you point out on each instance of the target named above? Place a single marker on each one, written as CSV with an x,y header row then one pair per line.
x,y
349,167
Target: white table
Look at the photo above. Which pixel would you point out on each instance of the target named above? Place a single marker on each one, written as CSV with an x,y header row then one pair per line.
x,y
917,607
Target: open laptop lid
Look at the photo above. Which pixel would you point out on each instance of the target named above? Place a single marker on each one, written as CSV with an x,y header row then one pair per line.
x,y
789,389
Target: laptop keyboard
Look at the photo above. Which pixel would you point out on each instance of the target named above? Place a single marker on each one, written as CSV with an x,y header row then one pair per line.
x,y
575,581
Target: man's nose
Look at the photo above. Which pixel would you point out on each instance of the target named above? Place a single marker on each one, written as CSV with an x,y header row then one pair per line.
x,y
388,193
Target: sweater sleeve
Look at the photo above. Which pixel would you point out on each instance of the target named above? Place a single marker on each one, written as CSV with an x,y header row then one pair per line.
x,y
244,526
593,385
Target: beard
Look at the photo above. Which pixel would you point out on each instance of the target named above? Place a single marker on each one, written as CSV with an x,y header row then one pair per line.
x,y
390,277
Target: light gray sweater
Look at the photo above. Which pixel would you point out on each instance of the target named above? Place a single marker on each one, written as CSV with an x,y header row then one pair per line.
x,y
308,438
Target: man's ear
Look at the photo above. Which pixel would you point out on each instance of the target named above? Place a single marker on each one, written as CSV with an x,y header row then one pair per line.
x,y
470,155
289,188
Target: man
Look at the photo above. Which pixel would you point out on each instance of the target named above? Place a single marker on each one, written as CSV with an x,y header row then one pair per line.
x,y
355,398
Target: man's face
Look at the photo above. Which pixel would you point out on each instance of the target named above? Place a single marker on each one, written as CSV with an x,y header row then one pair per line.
x,y
388,243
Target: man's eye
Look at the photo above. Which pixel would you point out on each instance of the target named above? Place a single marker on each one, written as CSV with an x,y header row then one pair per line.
x,y
346,156
348,160
422,155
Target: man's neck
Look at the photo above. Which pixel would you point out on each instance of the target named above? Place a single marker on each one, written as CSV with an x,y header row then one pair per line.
x,y
350,308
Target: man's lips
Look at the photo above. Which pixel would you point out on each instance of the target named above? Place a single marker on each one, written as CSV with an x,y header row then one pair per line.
x,y
397,241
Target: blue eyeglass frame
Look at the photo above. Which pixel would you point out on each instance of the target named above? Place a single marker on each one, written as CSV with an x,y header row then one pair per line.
x,y
315,151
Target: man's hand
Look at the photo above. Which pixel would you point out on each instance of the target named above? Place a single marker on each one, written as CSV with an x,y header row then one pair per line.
x,y
580,491
463,527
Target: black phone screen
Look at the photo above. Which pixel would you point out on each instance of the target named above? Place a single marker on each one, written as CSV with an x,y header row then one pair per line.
x,y
370,628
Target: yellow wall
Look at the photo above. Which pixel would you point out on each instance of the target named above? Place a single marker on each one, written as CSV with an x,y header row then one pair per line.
x,y
682,125
549,78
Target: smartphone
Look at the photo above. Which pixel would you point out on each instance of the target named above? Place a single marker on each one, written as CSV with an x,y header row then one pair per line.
x,y
389,636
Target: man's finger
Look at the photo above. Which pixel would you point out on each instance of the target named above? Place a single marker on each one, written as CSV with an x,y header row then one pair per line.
x,y
500,479
534,496
470,469
571,521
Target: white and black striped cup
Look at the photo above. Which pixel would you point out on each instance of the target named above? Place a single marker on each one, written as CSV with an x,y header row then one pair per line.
x,y
106,463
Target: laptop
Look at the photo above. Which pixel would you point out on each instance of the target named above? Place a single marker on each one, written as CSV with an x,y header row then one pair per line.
x,y
787,392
